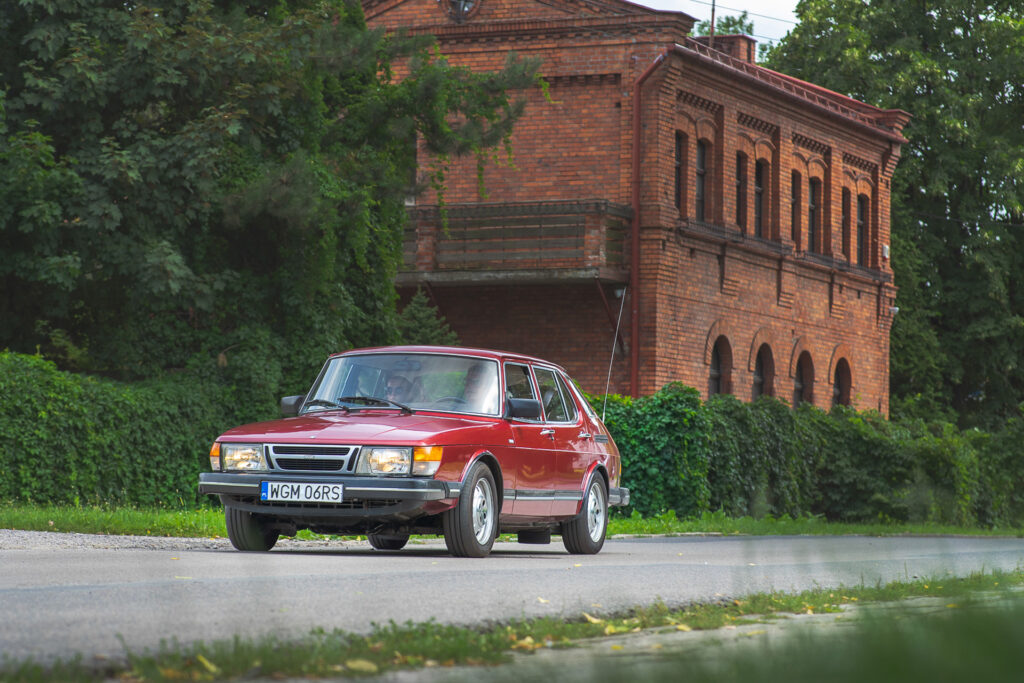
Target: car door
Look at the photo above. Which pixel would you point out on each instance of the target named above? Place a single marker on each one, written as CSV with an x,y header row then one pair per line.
x,y
533,465
567,443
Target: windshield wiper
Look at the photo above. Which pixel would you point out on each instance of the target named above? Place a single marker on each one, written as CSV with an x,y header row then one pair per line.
x,y
329,404
368,401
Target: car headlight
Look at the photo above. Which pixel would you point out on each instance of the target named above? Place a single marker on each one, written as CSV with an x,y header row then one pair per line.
x,y
242,457
389,460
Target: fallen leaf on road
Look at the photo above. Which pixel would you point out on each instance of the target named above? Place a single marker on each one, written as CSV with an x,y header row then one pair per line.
x,y
210,666
362,666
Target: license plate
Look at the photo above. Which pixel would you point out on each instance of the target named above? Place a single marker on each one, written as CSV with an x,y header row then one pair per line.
x,y
300,492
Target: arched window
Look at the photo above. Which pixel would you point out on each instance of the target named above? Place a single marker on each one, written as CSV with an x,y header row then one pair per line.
x,y
841,384
703,172
764,373
803,380
814,227
741,190
761,198
720,373
680,164
846,222
862,229
795,208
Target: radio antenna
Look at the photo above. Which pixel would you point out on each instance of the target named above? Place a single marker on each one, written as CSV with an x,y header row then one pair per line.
x,y
615,341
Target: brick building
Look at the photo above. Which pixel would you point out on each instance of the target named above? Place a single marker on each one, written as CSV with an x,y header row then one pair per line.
x,y
756,206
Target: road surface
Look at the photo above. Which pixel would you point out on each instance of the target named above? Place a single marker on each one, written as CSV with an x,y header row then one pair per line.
x,y
94,597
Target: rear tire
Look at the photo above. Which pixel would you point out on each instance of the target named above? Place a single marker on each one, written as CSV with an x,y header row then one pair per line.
x,y
584,534
248,532
470,527
388,541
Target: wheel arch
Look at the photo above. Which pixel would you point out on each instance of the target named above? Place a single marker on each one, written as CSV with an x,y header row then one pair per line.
x,y
491,462
596,470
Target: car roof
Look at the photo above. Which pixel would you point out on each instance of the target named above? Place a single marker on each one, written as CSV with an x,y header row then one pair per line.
x,y
452,351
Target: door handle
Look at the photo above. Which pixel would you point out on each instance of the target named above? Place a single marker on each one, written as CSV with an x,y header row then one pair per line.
x,y
584,435
548,432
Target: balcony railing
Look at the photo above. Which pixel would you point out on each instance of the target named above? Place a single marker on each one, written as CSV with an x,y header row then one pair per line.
x,y
509,237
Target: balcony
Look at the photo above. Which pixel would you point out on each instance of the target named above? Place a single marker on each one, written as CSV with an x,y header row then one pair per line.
x,y
516,243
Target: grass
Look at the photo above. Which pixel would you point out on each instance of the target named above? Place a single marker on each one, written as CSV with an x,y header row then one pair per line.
x,y
209,522
206,522
410,646
719,522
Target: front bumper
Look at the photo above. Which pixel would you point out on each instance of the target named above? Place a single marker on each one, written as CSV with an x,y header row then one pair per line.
x,y
363,496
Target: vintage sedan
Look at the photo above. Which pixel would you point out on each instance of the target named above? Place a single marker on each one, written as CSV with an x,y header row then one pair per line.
x,y
407,440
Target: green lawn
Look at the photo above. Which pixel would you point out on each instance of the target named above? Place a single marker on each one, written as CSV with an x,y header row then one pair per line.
x,y
209,522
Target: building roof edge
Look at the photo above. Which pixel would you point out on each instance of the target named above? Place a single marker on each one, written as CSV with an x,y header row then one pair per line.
x,y
887,122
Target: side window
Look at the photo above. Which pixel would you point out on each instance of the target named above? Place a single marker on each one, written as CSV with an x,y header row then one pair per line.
x,y
551,396
570,405
587,408
517,381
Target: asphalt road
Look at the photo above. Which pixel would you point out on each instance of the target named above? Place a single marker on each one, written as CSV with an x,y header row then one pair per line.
x,y
56,602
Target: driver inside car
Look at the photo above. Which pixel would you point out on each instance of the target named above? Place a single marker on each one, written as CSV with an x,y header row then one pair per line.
x,y
398,389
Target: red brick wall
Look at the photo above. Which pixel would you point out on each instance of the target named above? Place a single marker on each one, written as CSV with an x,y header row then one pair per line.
x,y
565,149
567,325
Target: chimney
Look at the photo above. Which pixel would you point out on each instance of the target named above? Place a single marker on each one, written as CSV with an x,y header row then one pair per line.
x,y
739,46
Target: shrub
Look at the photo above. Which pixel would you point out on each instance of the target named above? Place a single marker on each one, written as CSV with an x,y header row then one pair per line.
x,y
1001,467
756,465
72,439
862,473
663,439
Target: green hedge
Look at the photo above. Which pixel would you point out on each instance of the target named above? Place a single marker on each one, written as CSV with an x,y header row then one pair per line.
x,y
764,458
72,439
663,440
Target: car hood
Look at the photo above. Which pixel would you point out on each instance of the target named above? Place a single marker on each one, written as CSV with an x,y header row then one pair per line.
x,y
371,427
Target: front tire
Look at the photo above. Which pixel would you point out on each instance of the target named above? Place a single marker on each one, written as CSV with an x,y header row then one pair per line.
x,y
584,534
248,532
470,527
388,541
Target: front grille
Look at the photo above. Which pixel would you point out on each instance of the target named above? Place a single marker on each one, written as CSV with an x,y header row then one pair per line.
x,y
303,458
309,465
283,449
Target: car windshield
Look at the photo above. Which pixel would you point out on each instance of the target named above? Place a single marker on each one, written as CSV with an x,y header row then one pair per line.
x,y
418,381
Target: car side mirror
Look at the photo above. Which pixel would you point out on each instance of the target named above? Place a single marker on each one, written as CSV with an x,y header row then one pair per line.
x,y
290,405
524,408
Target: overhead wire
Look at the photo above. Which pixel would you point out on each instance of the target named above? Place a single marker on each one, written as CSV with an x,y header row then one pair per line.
x,y
749,14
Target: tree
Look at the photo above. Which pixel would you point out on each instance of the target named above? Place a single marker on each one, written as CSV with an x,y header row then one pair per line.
x,y
724,26
958,192
421,323
217,184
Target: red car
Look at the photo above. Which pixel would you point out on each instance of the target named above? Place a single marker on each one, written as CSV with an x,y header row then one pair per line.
x,y
407,440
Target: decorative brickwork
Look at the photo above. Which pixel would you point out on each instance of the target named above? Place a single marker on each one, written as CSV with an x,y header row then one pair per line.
x,y
738,301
